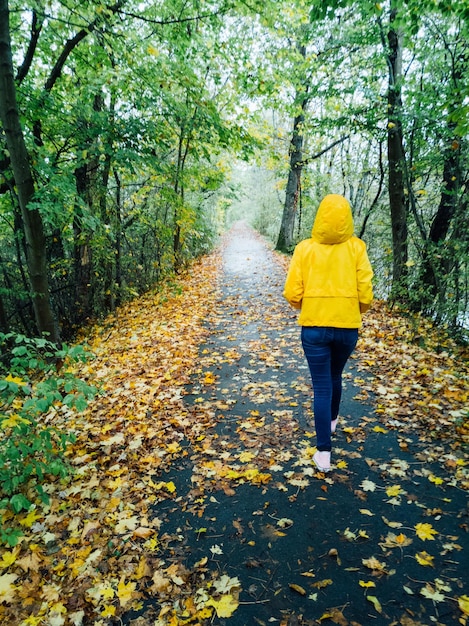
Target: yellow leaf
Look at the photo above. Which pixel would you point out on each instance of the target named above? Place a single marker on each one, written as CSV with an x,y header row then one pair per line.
x,y
16,380
393,491
7,590
366,512
225,606
463,603
375,602
435,479
392,524
425,531
125,591
109,611
322,583
342,464
245,457
14,420
297,588
153,51
370,583
142,569
170,486
423,558
8,558
29,520
379,429
209,378
32,620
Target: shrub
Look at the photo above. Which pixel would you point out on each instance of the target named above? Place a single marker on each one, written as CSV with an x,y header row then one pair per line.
x,y
35,375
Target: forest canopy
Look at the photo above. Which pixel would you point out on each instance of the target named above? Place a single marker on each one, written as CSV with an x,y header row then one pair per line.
x,y
133,134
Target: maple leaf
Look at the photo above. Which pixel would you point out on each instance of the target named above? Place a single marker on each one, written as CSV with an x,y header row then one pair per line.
x,y
225,584
7,590
368,485
108,611
100,591
395,541
225,606
161,582
423,558
367,584
425,531
30,518
432,594
51,593
373,564
126,523
394,490
8,558
125,591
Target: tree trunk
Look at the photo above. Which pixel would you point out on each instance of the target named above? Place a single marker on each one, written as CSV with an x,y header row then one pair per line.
x,y
118,227
396,164
436,266
32,221
82,250
285,241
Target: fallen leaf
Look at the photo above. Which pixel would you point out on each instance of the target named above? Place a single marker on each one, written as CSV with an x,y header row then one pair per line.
x,y
225,606
425,531
7,590
375,602
297,588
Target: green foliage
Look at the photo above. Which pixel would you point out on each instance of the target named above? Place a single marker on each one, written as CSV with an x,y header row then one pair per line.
x,y
36,378
132,144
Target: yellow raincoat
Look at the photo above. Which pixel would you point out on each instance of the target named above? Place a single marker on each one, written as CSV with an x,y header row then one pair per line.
x,y
329,277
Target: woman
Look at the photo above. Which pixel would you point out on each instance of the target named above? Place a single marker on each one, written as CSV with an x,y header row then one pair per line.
x,y
329,280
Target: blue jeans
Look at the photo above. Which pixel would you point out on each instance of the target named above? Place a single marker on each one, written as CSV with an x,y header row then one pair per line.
x,y
327,350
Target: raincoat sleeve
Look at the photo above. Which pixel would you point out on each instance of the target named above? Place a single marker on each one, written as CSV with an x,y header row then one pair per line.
x,y
364,284
294,288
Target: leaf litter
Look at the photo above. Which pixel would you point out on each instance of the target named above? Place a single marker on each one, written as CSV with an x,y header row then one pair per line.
x,y
193,497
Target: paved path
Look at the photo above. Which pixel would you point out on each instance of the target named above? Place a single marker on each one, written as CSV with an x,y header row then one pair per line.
x,y
303,545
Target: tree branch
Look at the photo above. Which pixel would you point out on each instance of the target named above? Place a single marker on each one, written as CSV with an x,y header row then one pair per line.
x,y
72,43
319,154
36,27
175,20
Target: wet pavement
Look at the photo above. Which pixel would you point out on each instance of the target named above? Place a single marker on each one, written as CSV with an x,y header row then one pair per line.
x,y
306,548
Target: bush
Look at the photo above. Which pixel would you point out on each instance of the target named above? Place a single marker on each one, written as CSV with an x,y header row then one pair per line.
x,y
33,379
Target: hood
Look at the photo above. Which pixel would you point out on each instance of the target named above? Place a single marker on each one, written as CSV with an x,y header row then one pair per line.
x,y
334,221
